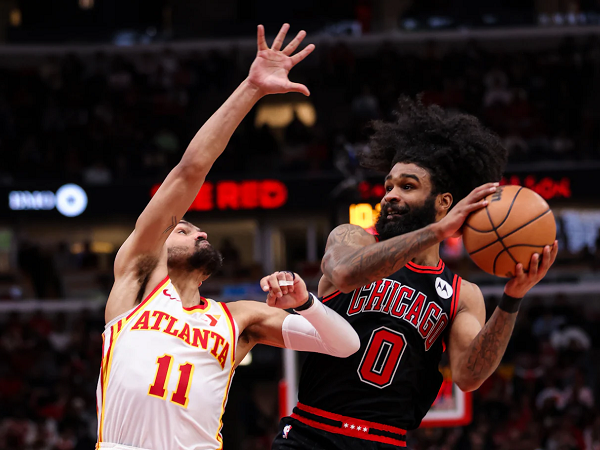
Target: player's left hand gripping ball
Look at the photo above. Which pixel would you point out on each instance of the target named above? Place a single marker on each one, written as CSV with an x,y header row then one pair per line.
x,y
523,281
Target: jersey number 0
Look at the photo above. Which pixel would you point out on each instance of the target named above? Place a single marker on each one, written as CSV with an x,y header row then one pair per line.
x,y
381,358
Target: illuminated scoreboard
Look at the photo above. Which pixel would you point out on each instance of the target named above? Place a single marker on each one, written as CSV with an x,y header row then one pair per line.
x,y
364,214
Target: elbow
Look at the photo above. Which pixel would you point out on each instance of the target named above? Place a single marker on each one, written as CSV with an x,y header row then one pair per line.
x,y
354,344
351,345
467,384
340,277
189,170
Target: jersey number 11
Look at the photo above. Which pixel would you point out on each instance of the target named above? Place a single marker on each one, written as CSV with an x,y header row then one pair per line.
x,y
163,372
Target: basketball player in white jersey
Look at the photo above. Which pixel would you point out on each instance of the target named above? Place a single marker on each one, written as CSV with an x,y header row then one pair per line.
x,y
168,353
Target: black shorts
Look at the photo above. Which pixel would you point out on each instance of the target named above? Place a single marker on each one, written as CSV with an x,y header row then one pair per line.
x,y
323,433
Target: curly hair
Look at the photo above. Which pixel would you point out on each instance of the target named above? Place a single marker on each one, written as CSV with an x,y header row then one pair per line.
x,y
456,149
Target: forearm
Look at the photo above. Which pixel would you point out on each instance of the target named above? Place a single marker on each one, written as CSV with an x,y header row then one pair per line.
x,y
320,329
210,141
370,263
486,351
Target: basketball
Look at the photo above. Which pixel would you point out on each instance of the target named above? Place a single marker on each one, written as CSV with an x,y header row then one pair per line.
x,y
515,224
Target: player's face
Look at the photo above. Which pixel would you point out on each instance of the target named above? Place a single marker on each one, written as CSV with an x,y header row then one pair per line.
x,y
408,204
189,250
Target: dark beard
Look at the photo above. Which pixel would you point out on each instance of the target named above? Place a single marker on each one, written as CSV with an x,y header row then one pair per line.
x,y
205,259
412,219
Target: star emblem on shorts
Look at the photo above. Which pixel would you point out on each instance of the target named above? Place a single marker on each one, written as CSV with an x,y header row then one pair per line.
x,y
346,425
352,426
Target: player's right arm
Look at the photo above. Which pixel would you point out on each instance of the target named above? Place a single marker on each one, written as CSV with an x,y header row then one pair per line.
x,y
475,346
353,258
141,260
316,328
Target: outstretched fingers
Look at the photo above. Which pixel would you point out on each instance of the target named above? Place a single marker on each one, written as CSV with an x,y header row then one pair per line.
x,y
278,42
302,54
297,87
261,43
293,45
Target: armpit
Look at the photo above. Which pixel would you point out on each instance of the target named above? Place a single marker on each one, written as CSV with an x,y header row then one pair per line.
x,y
145,267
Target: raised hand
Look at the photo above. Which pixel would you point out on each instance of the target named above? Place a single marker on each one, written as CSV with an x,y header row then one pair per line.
x,y
285,290
269,71
523,281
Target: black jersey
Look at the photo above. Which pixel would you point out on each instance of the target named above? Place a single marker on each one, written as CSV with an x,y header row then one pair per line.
x,y
394,378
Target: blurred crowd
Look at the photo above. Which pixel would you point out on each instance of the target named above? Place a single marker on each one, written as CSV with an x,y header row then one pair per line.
x,y
103,118
543,395
541,398
59,270
48,380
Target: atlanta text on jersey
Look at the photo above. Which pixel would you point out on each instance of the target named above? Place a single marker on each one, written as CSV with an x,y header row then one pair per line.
x,y
196,337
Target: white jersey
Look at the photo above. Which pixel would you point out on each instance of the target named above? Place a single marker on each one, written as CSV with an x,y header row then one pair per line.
x,y
165,374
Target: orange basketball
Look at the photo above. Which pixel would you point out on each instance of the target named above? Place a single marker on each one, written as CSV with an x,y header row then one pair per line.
x,y
514,225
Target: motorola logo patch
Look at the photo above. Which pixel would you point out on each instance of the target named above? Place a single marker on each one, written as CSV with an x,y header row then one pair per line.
x,y
442,288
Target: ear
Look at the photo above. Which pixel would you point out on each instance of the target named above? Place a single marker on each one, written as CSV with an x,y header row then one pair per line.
x,y
443,202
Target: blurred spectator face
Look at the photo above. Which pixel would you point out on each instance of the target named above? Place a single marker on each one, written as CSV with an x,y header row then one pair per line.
x,y
189,250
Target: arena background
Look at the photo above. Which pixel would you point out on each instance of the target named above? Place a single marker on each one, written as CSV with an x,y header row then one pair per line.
x,y
105,95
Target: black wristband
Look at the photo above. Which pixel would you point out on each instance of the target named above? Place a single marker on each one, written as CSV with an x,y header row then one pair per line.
x,y
307,304
509,304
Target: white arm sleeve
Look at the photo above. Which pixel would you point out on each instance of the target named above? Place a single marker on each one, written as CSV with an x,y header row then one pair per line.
x,y
320,329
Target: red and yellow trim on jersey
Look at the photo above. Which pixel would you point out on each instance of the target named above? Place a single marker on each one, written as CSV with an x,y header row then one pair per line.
x,y
115,330
105,372
149,298
203,307
232,330
101,382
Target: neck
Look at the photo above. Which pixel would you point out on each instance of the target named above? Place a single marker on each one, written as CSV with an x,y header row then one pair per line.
x,y
429,257
187,287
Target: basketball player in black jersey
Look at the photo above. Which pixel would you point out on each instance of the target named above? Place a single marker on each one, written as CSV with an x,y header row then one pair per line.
x,y
405,304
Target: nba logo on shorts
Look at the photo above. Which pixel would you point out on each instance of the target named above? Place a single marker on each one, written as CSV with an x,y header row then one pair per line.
x,y
286,431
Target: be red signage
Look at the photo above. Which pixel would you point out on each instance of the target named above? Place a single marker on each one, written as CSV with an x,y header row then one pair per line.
x,y
547,187
247,194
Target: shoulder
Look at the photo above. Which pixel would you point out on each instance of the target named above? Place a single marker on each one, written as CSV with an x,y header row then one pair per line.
x,y
348,234
240,308
258,322
469,291
247,312
471,298
131,288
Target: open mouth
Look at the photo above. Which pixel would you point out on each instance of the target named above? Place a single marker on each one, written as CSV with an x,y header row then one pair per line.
x,y
395,215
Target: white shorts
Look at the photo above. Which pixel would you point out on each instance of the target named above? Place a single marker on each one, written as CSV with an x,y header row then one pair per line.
x,y
117,446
